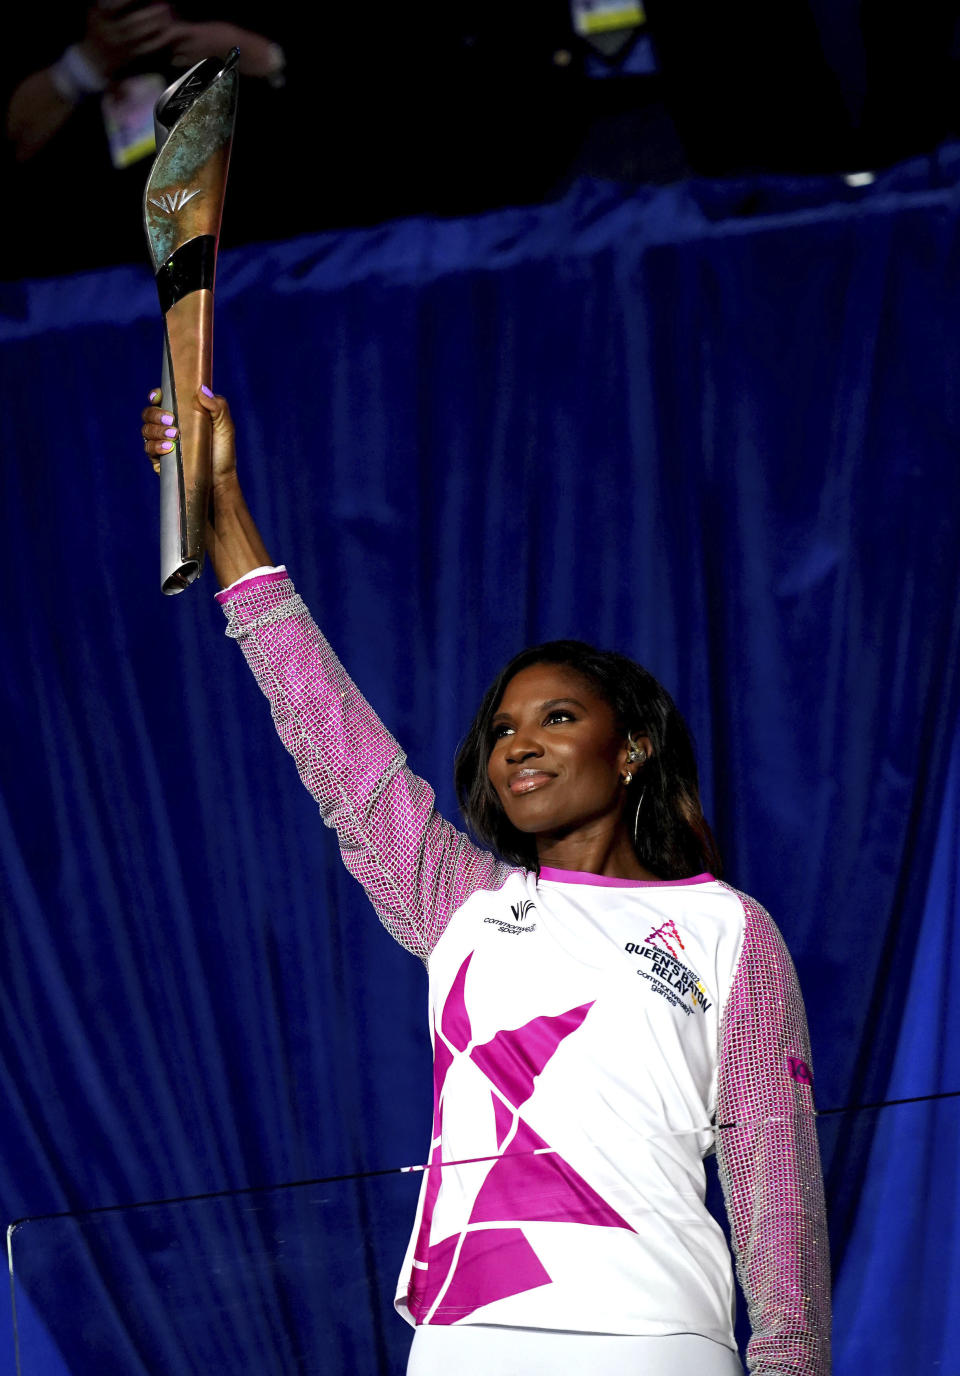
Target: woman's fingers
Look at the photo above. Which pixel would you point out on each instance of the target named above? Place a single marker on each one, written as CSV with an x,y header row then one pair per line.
x,y
159,430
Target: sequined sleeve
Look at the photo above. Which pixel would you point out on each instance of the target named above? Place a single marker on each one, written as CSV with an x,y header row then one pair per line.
x,y
769,1159
416,868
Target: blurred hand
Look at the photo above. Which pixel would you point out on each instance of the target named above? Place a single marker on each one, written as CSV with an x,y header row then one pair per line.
x,y
159,431
191,43
111,42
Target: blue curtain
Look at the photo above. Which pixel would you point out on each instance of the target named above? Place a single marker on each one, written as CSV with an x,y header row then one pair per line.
x,y
715,427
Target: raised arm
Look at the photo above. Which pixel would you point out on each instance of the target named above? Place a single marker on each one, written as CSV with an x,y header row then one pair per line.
x,y
415,867
769,1159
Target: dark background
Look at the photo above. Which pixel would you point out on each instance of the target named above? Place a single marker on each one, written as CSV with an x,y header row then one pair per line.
x,y
454,108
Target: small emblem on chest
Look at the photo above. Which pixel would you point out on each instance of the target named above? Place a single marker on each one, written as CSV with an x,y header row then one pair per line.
x,y
520,913
669,938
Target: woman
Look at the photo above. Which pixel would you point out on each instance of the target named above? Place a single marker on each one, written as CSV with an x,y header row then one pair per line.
x,y
599,999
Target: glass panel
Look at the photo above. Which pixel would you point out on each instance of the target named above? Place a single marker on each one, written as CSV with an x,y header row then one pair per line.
x,y
893,1191
276,1282
301,1279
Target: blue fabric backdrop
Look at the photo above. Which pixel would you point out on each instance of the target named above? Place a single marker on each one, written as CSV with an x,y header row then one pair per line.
x,y
715,427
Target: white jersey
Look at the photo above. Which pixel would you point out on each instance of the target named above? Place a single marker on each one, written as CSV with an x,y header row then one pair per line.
x,y
575,1026
593,1039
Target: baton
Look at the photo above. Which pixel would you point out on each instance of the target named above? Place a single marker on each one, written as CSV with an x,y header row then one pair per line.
x,y
182,207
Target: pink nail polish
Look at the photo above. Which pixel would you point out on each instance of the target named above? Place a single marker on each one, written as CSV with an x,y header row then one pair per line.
x,y
165,419
206,390
166,447
171,433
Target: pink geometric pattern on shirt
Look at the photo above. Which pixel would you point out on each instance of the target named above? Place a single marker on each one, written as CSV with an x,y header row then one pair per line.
x,y
423,1252
514,1058
427,1278
493,1263
455,1020
442,1061
540,1189
479,1265
502,1117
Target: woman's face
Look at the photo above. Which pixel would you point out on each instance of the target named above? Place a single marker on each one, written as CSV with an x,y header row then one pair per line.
x,y
557,756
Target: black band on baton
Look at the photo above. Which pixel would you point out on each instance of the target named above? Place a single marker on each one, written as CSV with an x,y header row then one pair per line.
x,y
190,268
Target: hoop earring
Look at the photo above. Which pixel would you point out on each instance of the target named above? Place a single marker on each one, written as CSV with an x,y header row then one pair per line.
x,y
636,819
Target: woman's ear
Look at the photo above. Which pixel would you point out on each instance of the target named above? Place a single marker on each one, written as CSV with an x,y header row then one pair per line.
x,y
634,754
639,749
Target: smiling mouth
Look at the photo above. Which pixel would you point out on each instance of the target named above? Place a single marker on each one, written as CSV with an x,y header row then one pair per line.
x,y
528,780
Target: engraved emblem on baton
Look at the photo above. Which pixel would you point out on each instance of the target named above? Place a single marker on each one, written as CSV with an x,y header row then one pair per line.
x,y
182,207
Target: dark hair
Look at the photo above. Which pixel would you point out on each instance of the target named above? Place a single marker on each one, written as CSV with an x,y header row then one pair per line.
x,y
673,838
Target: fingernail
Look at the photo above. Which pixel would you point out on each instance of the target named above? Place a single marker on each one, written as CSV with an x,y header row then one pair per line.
x,y
171,433
155,394
166,447
205,390
165,419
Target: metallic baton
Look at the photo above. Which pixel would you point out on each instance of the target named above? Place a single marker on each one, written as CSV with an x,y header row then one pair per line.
x,y
182,206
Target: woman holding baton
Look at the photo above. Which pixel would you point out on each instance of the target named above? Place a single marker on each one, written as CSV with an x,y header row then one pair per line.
x,y
604,1010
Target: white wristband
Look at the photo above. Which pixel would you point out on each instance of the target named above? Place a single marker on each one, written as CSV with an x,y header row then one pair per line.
x,y
74,76
255,573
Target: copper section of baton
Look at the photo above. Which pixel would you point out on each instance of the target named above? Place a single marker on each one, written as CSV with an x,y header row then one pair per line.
x,y
189,326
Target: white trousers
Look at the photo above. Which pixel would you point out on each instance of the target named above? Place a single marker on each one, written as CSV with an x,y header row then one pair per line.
x,y
484,1350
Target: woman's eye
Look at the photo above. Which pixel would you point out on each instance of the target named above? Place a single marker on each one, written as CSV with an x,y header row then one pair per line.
x,y
500,731
560,715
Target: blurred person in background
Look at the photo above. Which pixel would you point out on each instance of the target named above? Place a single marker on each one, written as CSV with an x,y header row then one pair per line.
x,y
79,121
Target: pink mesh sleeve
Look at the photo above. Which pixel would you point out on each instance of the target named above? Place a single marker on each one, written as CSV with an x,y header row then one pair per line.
x,y
769,1159
417,869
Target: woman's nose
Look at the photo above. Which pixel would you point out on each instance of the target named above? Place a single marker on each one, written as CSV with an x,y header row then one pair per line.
x,y
523,748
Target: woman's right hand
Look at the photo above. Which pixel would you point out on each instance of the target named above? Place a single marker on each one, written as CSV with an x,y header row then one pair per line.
x,y
234,544
159,431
